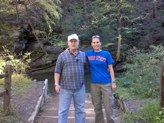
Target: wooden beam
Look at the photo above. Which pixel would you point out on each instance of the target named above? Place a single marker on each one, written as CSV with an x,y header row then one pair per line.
x,y
162,88
2,92
2,75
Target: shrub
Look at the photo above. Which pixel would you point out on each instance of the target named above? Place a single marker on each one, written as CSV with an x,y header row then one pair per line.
x,y
143,72
129,118
160,117
19,65
149,112
19,83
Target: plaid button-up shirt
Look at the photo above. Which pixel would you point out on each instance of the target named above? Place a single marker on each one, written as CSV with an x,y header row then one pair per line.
x,y
71,69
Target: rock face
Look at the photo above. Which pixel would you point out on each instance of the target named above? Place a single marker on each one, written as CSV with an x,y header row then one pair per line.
x,y
51,49
24,38
20,40
43,54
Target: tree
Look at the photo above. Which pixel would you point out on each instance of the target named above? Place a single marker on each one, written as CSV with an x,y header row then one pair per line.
x,y
112,21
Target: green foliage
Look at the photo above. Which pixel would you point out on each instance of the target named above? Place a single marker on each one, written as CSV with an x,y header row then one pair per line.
x,y
50,9
60,44
74,20
18,65
101,18
2,64
12,118
143,72
19,78
6,7
130,118
20,83
160,117
147,114
7,14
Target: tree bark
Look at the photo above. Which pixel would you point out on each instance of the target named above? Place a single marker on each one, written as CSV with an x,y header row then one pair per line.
x,y
85,12
162,87
154,8
119,32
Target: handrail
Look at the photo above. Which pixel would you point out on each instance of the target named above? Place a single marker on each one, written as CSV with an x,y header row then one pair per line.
x,y
2,75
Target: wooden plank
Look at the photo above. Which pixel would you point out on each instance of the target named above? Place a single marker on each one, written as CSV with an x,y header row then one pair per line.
x,y
2,75
40,102
162,87
7,87
2,92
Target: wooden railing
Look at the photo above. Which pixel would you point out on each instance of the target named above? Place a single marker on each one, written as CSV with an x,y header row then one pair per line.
x,y
40,102
162,87
6,92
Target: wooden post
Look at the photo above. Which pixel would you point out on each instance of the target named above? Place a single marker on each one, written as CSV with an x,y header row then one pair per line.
x,y
7,87
162,87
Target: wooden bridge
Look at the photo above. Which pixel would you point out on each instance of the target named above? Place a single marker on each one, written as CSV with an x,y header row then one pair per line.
x,y
49,111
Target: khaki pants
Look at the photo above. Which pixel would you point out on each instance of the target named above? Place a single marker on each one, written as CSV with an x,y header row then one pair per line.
x,y
102,94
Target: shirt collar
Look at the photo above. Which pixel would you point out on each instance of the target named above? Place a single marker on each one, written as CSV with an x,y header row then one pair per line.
x,y
74,54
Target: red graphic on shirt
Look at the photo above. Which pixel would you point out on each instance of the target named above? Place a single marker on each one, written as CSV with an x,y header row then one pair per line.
x,y
99,58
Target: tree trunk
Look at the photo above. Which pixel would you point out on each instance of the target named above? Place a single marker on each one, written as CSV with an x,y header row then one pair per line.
x,y
85,12
162,88
119,32
119,41
154,8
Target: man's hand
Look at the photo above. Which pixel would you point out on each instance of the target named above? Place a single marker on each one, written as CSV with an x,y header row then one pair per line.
x,y
57,88
114,86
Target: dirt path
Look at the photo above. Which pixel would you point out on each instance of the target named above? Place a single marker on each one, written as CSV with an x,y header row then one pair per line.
x,y
49,112
23,103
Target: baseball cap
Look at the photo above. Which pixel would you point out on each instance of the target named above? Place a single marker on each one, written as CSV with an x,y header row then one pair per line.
x,y
73,36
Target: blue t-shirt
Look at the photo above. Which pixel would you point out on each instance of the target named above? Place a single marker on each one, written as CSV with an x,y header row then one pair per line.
x,y
98,64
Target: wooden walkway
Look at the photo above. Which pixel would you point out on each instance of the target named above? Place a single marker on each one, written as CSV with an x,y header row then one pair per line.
x,y
49,112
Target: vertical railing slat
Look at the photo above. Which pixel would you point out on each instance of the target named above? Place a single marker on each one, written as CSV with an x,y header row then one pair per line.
x,y
162,88
7,87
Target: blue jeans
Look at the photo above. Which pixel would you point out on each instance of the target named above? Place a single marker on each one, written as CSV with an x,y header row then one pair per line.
x,y
65,97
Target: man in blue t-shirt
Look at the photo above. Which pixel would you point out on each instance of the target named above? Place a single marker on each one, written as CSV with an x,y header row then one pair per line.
x,y
102,80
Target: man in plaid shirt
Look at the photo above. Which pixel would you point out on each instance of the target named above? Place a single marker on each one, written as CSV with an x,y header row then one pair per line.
x,y
69,72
